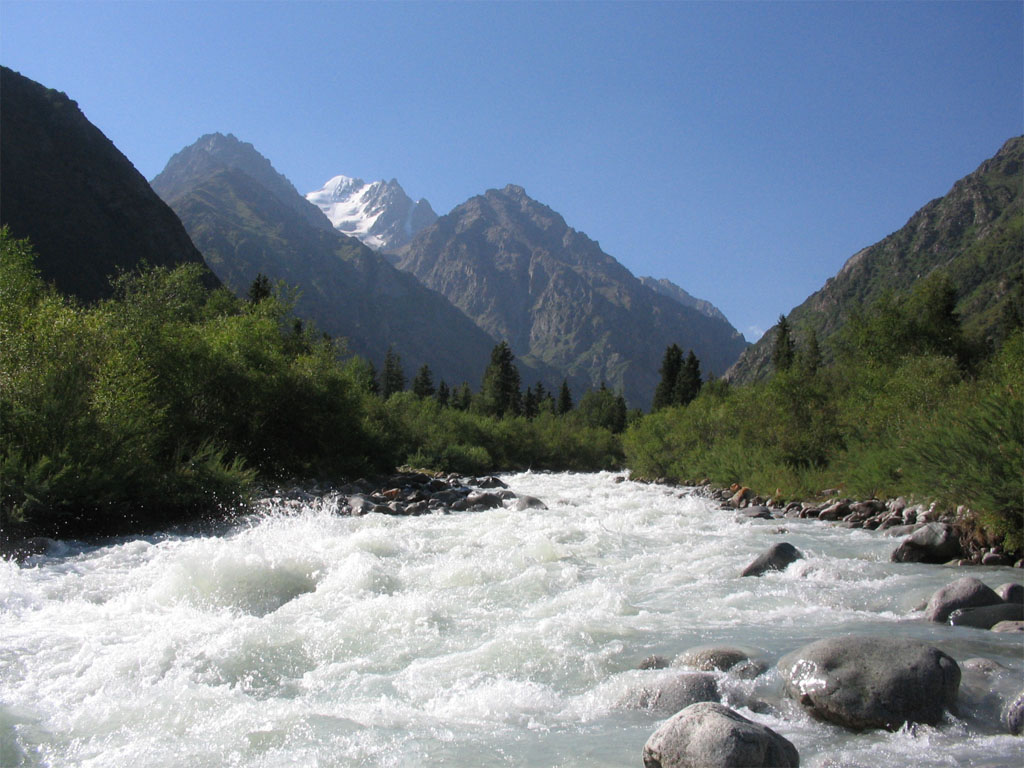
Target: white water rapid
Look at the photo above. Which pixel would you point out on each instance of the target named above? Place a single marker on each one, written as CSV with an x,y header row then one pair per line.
x,y
498,638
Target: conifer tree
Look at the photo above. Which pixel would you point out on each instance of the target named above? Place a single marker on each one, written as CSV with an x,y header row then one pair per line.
x,y
564,399
393,379
443,395
783,352
671,365
500,393
259,289
462,397
688,381
810,354
423,384
530,409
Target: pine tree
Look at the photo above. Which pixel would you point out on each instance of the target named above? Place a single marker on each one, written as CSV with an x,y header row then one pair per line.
x,y
260,289
423,384
530,403
462,397
393,379
688,382
783,352
500,393
810,355
564,399
671,365
443,394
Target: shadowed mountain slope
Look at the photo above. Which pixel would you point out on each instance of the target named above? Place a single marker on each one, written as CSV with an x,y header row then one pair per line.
x,y
88,212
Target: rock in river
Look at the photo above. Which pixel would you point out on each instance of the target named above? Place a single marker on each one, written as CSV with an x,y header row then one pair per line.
x,y
710,735
776,558
872,682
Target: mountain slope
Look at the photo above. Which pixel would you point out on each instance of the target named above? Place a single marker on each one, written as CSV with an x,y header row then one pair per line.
x,y
522,274
243,228
64,184
667,288
380,214
973,233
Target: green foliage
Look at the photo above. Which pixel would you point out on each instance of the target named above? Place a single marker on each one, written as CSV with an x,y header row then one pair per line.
x,y
601,408
783,352
901,412
393,377
423,384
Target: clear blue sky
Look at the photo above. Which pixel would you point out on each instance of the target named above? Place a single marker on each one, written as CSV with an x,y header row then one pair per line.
x,y
743,150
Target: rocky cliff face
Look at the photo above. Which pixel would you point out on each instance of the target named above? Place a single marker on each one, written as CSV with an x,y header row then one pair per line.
x,y
973,233
380,213
667,288
246,225
522,274
64,185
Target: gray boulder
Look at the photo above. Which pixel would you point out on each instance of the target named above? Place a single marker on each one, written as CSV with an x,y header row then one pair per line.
x,y
967,592
529,502
872,682
742,662
776,558
1011,592
709,735
758,512
931,543
987,616
672,694
1008,626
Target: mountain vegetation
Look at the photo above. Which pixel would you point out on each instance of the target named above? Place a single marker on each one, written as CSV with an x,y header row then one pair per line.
x,y
523,275
972,234
89,213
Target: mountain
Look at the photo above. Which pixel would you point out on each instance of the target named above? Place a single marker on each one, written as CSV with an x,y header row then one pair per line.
x,y
973,233
667,288
522,274
88,212
380,214
246,225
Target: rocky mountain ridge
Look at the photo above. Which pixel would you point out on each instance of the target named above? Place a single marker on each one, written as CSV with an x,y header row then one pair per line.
x,y
246,225
522,274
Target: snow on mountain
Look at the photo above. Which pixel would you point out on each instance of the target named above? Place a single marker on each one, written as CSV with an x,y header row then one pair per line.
x,y
380,213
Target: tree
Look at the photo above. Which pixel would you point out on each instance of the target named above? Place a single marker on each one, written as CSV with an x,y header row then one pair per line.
x,y
671,365
423,384
462,397
564,399
260,289
603,409
443,395
530,408
810,355
499,393
393,379
783,351
688,381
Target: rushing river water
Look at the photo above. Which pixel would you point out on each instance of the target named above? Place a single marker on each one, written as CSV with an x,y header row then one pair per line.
x,y
304,638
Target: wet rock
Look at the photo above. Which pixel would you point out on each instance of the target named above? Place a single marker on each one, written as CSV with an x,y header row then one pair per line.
x,y
1011,592
672,694
1008,626
740,498
834,511
776,558
742,662
529,502
758,512
967,592
931,543
869,682
490,482
987,616
996,558
986,690
710,735
1013,715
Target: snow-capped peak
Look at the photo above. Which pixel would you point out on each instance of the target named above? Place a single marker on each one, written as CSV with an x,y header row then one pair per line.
x,y
379,213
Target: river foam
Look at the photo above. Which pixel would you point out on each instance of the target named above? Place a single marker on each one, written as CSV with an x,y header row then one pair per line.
x,y
302,638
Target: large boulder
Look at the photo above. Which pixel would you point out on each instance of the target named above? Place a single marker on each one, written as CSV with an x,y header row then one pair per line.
x,y
710,735
775,558
967,592
872,682
931,543
1013,715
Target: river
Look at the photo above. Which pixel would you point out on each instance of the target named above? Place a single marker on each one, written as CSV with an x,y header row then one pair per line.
x,y
303,638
